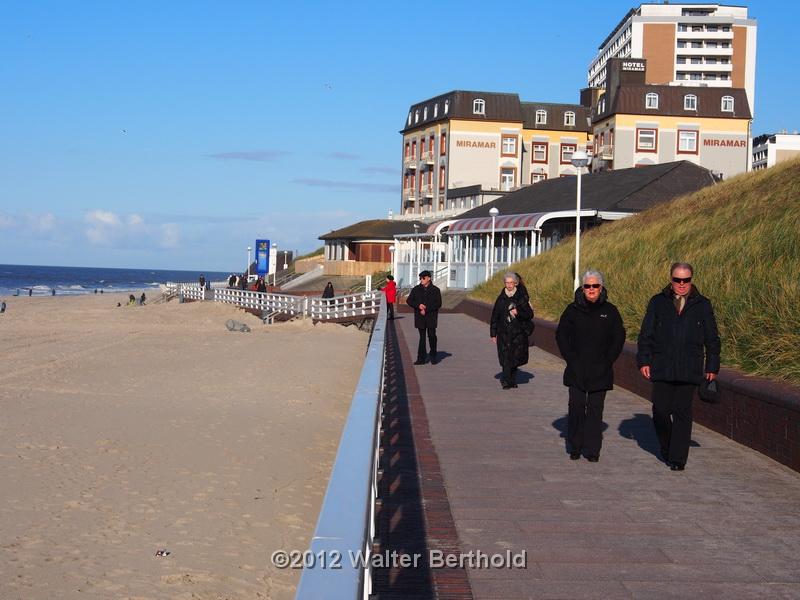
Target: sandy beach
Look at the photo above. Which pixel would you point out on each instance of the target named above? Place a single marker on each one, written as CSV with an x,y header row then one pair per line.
x,y
129,430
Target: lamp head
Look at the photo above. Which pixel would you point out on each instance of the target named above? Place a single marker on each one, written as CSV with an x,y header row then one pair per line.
x,y
493,211
579,159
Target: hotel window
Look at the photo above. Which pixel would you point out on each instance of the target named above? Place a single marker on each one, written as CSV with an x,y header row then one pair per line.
x,y
697,60
431,142
711,44
681,60
541,117
443,144
651,100
409,118
697,44
405,181
567,150
687,142
681,44
601,105
695,76
646,140
413,181
441,177
539,152
690,102
435,110
711,28
408,150
479,107
727,104
507,178
446,106
711,61
425,114
726,28
569,119
537,177
414,149
416,116
509,145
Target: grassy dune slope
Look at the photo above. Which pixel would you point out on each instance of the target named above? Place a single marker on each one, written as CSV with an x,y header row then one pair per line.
x,y
743,238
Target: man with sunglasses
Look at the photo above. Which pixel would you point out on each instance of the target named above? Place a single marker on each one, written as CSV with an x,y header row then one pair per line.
x,y
590,337
679,346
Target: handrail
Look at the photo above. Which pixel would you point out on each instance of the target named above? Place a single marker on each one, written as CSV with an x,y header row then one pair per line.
x,y
338,565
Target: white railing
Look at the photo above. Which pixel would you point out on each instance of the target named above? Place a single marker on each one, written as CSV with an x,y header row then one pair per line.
x,y
360,304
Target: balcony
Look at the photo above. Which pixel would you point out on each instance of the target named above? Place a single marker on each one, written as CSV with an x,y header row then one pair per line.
x,y
410,162
427,191
606,152
428,157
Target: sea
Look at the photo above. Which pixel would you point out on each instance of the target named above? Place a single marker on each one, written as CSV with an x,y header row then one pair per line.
x,y
27,280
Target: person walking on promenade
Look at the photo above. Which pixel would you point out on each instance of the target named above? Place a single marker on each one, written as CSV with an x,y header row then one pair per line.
x,y
328,293
426,300
509,328
202,281
590,337
390,290
678,329
262,286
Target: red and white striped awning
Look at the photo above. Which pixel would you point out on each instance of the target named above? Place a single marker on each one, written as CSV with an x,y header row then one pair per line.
x,y
526,222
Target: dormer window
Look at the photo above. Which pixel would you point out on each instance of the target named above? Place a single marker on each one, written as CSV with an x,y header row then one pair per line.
x,y
409,118
541,117
651,100
727,104
690,102
416,116
601,106
446,106
435,110
569,119
479,106
425,114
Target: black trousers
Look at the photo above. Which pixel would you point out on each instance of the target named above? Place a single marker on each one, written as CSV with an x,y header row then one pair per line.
x,y
672,418
390,310
585,421
509,373
431,333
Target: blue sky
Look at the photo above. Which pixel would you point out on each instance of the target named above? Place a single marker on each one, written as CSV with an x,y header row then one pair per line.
x,y
173,134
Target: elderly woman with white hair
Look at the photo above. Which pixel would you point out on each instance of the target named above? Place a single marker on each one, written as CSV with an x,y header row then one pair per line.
x,y
510,327
590,337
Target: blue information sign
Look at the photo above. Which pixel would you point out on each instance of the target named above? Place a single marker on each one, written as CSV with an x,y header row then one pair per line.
x,y
262,257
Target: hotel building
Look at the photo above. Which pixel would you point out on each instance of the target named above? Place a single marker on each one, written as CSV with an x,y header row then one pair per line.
x,y
465,148
770,149
711,45
637,124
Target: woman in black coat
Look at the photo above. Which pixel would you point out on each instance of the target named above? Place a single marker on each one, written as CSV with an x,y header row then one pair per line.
x,y
590,337
511,324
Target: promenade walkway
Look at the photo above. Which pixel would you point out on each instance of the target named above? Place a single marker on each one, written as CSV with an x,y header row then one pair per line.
x,y
626,527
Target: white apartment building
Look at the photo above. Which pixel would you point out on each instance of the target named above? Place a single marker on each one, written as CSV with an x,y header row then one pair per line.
x,y
709,45
770,149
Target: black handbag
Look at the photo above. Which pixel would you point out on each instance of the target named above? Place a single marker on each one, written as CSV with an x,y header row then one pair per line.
x,y
708,391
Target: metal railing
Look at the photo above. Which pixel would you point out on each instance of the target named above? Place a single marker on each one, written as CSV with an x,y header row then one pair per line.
x,y
338,565
359,304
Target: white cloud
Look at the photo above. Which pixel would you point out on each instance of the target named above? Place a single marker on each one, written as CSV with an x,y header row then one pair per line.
x,y
102,218
7,221
42,223
170,235
135,221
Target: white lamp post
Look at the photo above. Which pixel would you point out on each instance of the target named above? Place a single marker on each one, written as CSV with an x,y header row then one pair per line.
x,y
493,212
248,261
579,160
391,253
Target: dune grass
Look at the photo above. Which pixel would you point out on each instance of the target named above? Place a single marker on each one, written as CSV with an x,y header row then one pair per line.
x,y
743,239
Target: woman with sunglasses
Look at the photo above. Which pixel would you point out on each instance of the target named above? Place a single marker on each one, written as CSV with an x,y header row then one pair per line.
x,y
590,337
678,326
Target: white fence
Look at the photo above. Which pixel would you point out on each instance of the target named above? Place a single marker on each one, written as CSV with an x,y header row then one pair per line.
x,y
349,306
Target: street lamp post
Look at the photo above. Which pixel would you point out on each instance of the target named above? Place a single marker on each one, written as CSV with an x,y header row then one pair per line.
x,y
394,268
248,261
579,160
493,212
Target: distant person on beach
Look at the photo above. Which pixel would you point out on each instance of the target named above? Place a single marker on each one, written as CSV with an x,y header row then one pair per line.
x,y
590,337
679,347
53,290
142,299
328,292
202,281
95,290
30,291
261,286
2,307
390,290
426,300
509,328
231,280
131,300
243,281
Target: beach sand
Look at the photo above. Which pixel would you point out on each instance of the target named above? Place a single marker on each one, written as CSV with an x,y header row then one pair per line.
x,y
129,430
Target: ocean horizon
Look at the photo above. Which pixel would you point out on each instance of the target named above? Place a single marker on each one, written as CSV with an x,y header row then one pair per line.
x,y
39,280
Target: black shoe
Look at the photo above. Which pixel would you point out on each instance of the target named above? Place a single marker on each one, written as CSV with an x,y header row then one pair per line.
x,y
513,385
434,359
593,458
506,386
420,361
574,455
676,466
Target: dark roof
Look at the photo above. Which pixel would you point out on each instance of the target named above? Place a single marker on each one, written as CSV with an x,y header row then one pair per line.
x,y
380,229
630,99
624,190
499,107
614,31
555,116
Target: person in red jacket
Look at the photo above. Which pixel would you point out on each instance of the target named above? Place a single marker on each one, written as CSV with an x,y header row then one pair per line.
x,y
390,289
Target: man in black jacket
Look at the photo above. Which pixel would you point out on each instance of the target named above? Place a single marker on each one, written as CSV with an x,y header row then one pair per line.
x,y
426,300
678,329
590,337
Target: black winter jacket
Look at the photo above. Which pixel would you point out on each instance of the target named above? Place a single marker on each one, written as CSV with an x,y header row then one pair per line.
x,y
512,332
590,337
672,344
431,297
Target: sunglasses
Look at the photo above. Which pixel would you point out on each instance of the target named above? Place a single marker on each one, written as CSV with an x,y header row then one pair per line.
x,y
592,286
681,280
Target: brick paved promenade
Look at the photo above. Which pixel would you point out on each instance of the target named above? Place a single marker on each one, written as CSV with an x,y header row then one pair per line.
x,y
626,527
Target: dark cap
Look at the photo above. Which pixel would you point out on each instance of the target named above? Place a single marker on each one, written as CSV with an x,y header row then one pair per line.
x,y
425,274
